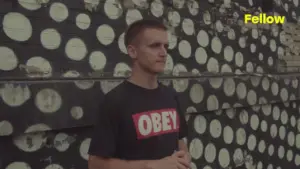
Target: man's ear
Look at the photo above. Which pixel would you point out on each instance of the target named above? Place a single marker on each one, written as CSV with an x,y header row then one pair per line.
x,y
131,51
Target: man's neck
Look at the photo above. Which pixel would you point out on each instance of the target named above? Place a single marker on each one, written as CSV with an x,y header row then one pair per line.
x,y
143,79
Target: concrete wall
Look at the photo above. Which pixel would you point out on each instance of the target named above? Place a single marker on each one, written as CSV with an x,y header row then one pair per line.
x,y
239,121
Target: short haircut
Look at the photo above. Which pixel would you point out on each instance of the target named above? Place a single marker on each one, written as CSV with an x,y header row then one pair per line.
x,y
139,26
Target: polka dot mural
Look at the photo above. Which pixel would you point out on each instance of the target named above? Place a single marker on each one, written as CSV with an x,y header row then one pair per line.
x,y
247,121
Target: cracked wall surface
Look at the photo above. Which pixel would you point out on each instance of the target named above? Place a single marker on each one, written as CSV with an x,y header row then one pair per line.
x,y
238,121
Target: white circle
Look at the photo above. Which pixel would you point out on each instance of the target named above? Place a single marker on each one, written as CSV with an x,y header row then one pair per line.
x,y
271,150
6,128
251,97
244,117
266,109
48,100
15,95
242,42
188,26
196,148
193,7
224,157
289,155
37,127
54,166
231,34
182,84
215,128
203,38
83,149
157,8
83,21
281,152
261,146
31,5
251,144
284,94
297,141
18,165
172,39
121,43
213,65
273,46
17,26
254,33
229,87
282,132
241,90
252,48
273,130
291,138
284,117
228,53
239,59
228,134
197,93
264,39
200,124
212,103
185,49
264,126
50,39
174,18
62,142
58,12
215,82
9,60
76,49
265,83
254,122
113,9
293,121
216,45
240,136
41,64
270,61
37,140
201,55
274,88
97,60
105,34
226,68
76,112
238,156
210,152
169,64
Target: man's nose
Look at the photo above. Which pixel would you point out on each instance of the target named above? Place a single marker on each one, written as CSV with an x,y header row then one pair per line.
x,y
163,51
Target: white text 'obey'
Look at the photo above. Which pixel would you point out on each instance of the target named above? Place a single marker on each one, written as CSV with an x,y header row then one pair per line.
x,y
156,122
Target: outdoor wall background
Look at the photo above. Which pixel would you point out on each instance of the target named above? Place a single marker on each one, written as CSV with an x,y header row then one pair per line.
x,y
252,122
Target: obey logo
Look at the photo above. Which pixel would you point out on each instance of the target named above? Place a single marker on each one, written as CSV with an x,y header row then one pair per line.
x,y
156,122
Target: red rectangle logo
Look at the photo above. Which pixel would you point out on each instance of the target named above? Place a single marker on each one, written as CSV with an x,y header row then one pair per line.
x,y
156,122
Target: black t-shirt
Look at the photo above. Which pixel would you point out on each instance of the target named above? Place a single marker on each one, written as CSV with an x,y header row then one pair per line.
x,y
138,124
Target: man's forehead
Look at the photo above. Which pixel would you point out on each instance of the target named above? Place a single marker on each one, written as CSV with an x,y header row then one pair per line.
x,y
156,35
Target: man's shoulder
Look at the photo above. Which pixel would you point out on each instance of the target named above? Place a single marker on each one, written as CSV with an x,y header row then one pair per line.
x,y
116,92
168,89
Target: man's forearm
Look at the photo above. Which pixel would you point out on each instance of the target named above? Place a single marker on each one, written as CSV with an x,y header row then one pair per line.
x,y
113,163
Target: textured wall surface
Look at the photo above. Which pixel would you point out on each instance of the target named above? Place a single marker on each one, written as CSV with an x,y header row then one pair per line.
x,y
239,121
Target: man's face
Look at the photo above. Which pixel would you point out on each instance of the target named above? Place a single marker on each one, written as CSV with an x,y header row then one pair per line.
x,y
150,50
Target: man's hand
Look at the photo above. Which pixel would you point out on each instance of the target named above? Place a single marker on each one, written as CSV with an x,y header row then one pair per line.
x,y
184,156
176,161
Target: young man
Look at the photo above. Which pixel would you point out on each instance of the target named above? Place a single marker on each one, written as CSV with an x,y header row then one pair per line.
x,y
140,124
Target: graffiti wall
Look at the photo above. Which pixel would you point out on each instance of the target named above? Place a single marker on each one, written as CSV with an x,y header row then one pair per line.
x,y
247,120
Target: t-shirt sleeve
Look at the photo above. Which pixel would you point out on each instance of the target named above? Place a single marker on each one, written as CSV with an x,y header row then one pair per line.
x,y
183,128
103,143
